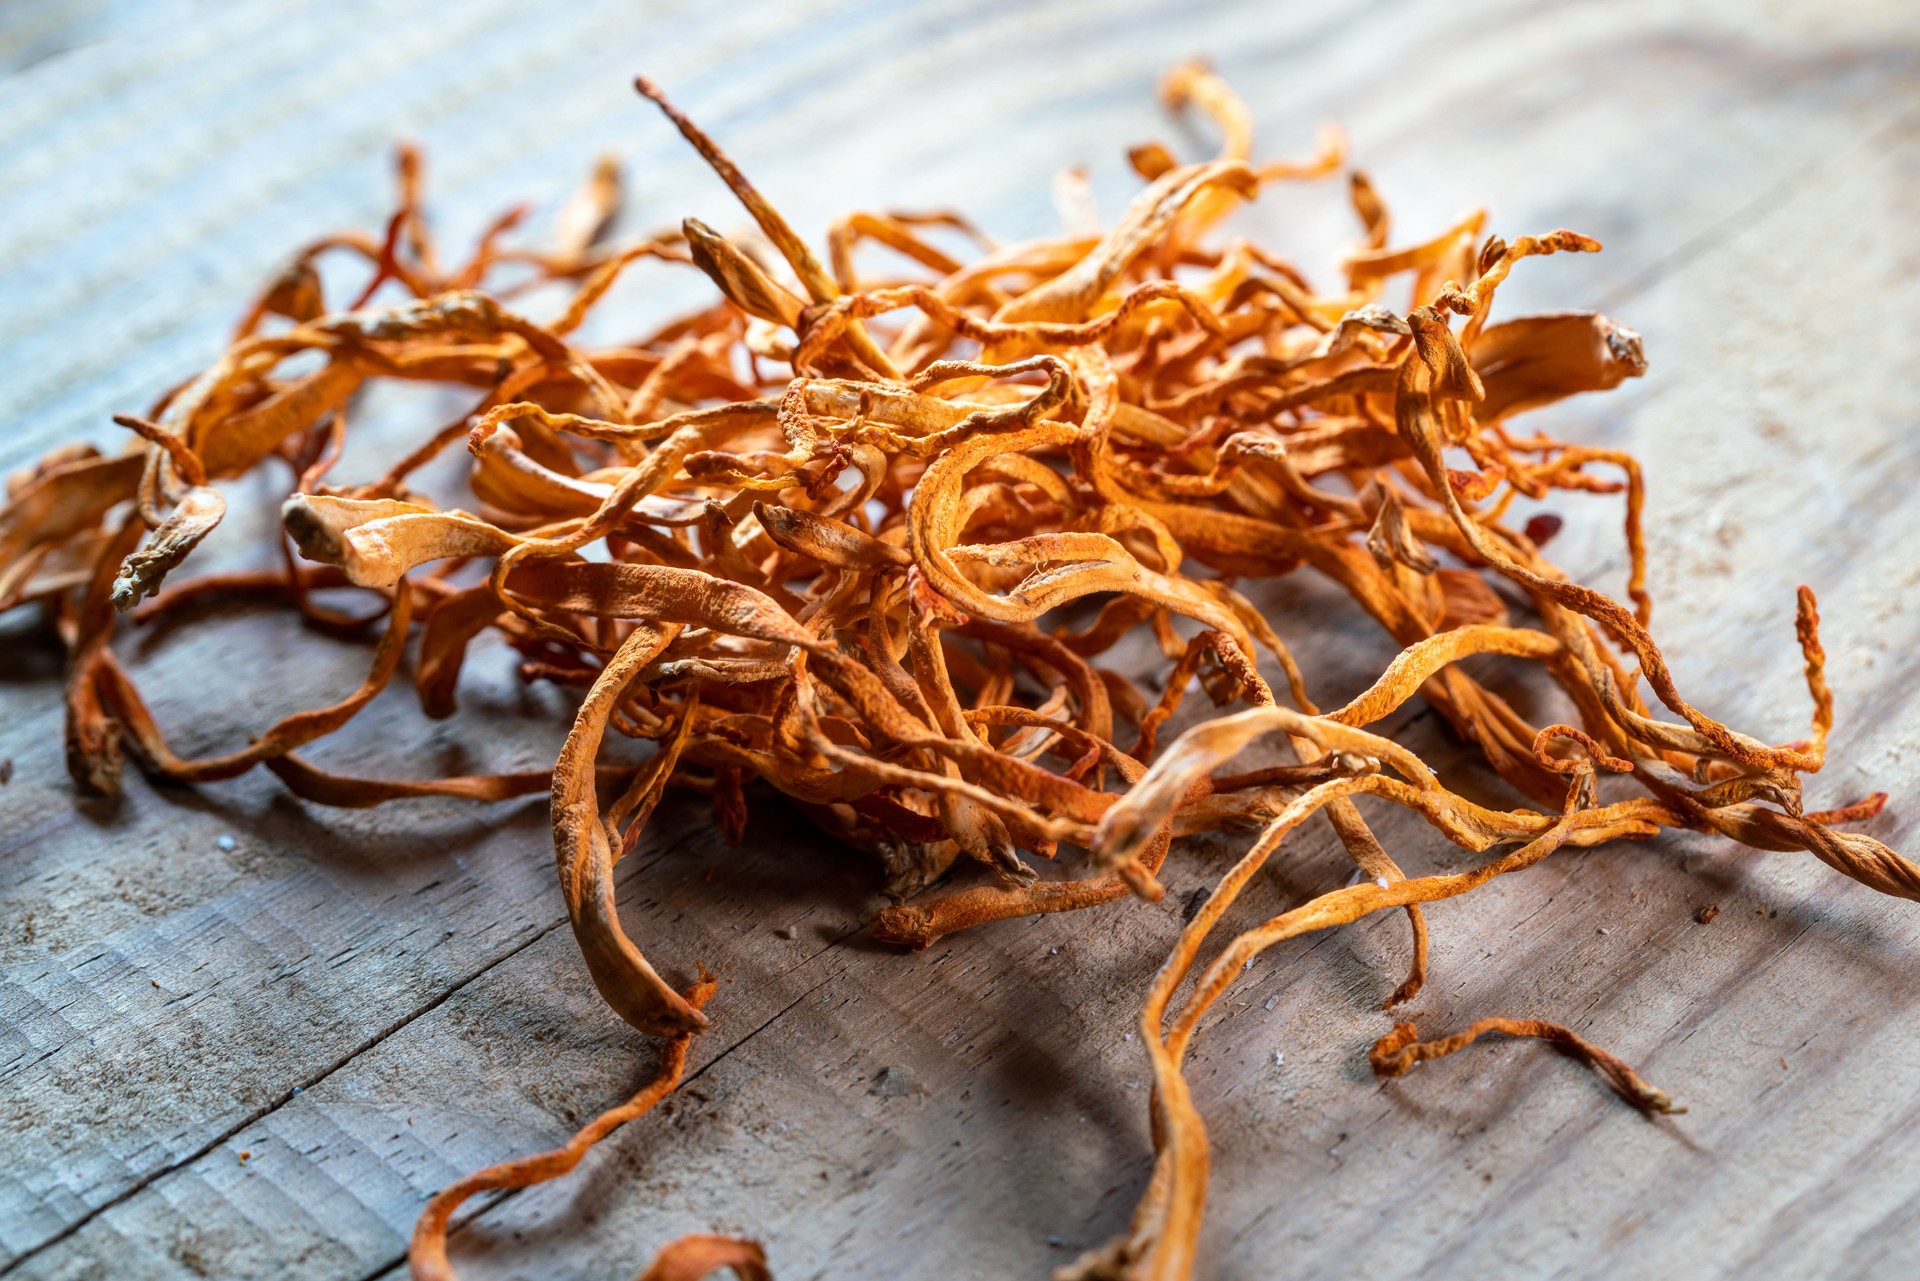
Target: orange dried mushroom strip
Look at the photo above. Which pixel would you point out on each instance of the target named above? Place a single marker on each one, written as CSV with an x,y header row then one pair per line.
x,y
427,1251
1399,1052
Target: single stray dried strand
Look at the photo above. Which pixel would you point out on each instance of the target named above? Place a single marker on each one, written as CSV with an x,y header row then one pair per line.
x,y
1399,1052
689,1258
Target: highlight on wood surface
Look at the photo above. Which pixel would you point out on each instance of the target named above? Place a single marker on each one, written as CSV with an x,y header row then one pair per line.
x,y
879,538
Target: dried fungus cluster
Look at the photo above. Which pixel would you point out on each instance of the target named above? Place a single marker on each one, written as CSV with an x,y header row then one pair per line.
x,y
873,543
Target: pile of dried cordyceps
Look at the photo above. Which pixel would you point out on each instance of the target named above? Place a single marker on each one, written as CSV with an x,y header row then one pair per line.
x,y
829,519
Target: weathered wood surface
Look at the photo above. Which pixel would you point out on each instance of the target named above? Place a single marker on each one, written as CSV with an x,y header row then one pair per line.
x,y
373,1003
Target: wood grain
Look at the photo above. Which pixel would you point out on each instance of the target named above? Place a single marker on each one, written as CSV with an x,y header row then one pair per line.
x,y
370,1004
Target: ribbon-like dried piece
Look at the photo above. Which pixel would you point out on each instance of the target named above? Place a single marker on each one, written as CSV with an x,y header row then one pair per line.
x,y
1399,1052
427,1252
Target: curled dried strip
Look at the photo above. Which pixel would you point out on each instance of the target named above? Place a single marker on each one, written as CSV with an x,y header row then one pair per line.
x,y
248,438
62,499
118,692
1595,752
1167,1221
828,323
813,276
1391,541
586,857
1440,372
192,519
740,278
376,540
1854,813
93,730
1071,295
1399,1052
427,1251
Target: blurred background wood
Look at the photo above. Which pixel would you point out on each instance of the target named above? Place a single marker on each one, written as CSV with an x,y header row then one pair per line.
x,y
365,1005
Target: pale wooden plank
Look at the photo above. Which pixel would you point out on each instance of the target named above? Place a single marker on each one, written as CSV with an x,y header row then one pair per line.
x,y
556,1124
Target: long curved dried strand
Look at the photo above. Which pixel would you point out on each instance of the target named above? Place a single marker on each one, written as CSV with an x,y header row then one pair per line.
x,y
427,1250
1400,1051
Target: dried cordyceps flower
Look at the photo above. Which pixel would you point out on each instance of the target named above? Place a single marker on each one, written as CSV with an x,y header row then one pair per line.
x,y
825,533
1397,1053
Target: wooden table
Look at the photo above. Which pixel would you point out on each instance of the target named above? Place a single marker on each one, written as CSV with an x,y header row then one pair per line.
x,y
244,1037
